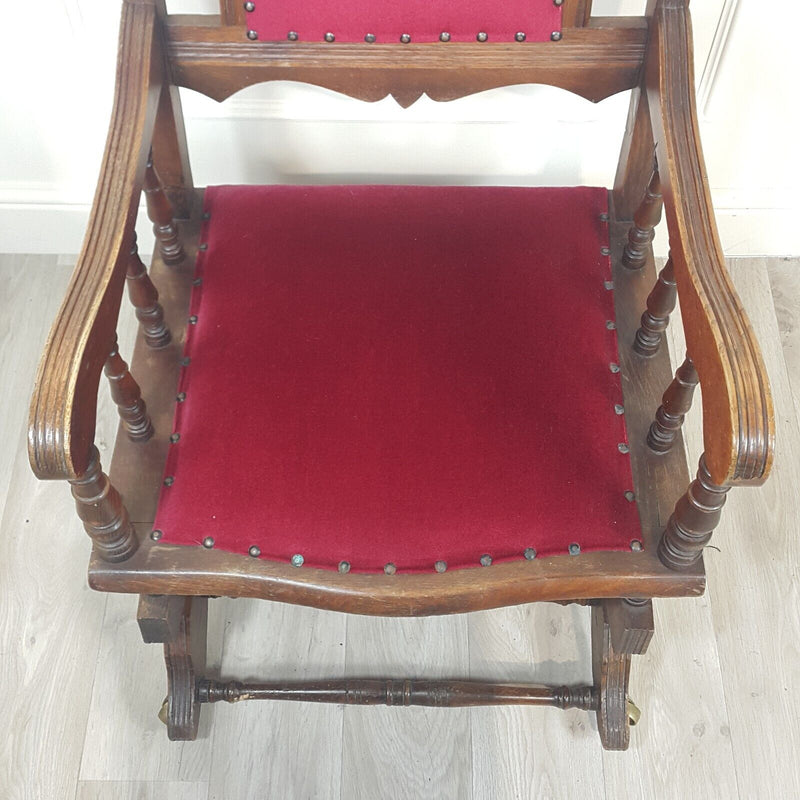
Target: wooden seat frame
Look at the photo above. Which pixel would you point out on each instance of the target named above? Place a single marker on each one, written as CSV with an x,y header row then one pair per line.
x,y
146,151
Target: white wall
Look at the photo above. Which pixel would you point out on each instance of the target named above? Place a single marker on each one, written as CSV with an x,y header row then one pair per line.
x,y
55,111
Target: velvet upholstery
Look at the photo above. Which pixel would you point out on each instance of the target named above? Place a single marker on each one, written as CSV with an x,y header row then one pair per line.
x,y
401,374
422,20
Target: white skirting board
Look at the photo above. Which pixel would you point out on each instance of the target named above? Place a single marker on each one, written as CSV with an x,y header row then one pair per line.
x,y
59,228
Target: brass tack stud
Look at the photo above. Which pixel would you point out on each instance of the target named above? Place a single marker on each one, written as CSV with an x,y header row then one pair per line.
x,y
614,367
440,566
169,480
255,551
574,549
344,567
252,35
623,448
193,319
483,36
329,37
208,542
185,361
156,535
297,560
611,325
636,545
206,215
630,496
175,437
604,217
248,6
609,285
555,36
520,36
619,409
530,553
180,397
486,560
197,281
370,38
444,36
605,251
292,36
558,2
203,246
390,569
405,38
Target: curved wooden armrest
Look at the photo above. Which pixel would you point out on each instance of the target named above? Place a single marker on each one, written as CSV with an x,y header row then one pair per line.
x,y
62,415
738,417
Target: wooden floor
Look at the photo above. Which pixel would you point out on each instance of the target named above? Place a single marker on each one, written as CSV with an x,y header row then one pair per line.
x,y
79,691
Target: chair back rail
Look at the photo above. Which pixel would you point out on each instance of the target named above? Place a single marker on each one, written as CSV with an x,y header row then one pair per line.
x,y
594,61
575,13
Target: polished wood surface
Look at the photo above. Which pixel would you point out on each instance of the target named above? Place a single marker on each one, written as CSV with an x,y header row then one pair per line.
x,y
660,304
93,689
594,62
167,569
144,298
675,404
62,415
739,420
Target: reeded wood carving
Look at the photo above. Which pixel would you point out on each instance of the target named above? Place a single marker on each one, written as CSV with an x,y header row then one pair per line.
x,y
696,515
642,232
104,516
738,417
185,658
62,416
159,209
660,304
611,672
128,397
675,405
144,297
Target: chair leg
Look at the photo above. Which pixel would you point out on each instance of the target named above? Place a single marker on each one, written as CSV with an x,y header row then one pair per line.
x,y
104,516
673,409
660,304
144,298
696,515
128,397
181,623
620,628
642,232
159,209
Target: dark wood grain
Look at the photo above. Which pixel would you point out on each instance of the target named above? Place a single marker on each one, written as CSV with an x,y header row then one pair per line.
x,y
160,211
674,406
660,304
659,481
144,298
63,408
103,513
738,416
645,219
127,396
159,617
696,516
594,62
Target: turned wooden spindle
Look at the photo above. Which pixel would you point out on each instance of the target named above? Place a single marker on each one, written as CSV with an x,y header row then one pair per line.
x,y
144,297
675,404
104,516
128,397
642,232
660,304
159,209
696,515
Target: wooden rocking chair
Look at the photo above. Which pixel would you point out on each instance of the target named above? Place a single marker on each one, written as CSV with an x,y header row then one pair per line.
x,y
402,400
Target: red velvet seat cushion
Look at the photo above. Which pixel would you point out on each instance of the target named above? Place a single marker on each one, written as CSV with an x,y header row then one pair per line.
x,y
422,20
406,375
